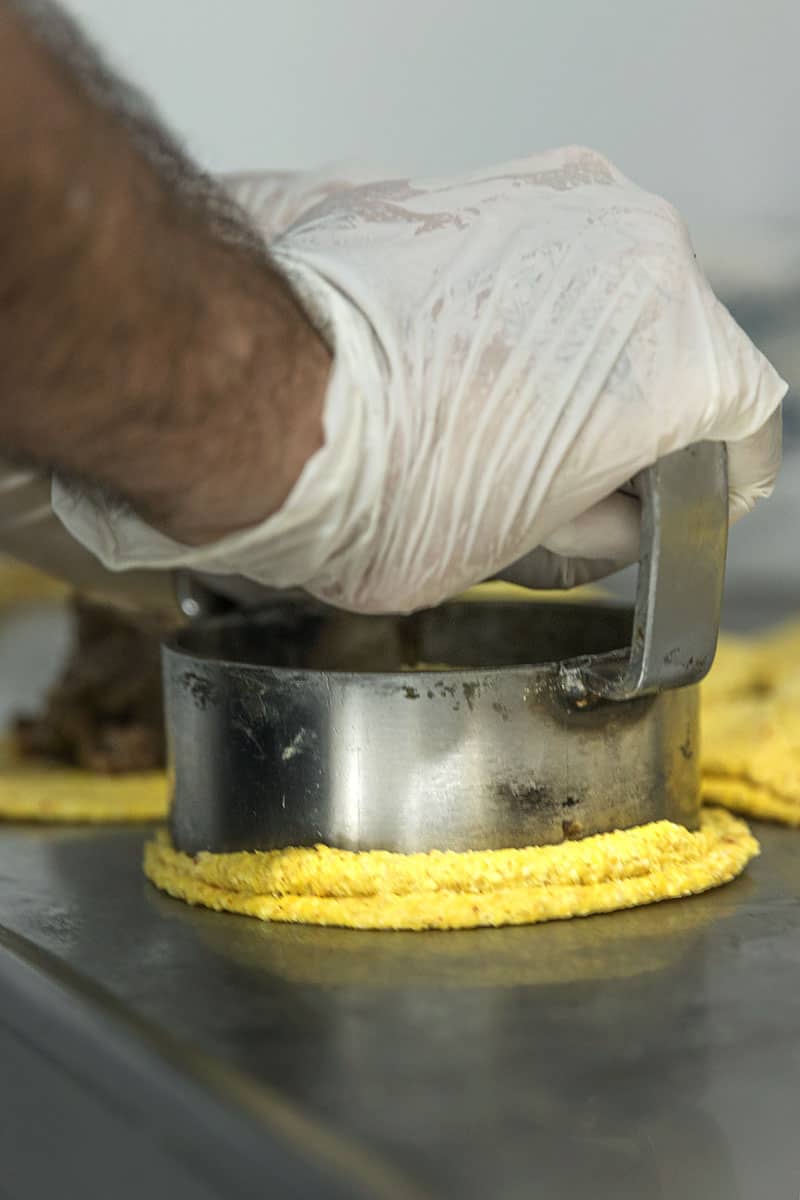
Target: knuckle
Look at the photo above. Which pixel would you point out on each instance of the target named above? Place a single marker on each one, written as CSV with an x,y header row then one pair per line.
x,y
589,158
572,166
663,248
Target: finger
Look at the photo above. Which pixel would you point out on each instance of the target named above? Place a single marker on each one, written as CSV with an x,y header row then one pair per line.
x,y
275,200
608,530
546,571
753,465
721,388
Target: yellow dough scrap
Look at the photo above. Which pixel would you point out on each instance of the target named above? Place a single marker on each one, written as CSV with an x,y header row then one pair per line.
x,y
737,670
764,664
38,791
499,589
21,584
750,799
448,890
751,726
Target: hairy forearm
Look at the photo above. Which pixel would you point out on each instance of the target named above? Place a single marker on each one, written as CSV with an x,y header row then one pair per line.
x,y
146,345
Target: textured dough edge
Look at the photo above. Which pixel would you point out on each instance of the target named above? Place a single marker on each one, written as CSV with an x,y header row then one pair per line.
x,y
695,862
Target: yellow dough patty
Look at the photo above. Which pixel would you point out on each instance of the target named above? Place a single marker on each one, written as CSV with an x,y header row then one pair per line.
x,y
449,890
39,791
21,585
750,799
751,726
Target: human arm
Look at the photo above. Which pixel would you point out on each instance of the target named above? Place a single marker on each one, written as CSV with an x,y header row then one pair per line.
x,y
147,346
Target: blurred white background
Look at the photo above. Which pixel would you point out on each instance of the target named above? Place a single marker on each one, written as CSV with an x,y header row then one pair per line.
x,y
696,99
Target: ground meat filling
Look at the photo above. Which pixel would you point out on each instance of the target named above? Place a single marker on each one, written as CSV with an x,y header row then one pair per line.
x,y
105,712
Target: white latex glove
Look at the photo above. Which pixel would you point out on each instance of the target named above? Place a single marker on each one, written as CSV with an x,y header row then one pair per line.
x,y
510,348
274,200
31,533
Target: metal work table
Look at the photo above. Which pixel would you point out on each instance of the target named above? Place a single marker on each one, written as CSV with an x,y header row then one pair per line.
x,y
152,1049
653,1053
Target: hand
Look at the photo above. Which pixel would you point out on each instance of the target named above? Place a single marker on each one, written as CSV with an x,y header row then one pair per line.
x,y
275,200
511,347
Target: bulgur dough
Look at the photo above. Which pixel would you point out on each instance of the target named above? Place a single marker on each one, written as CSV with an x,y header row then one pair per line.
x,y
40,791
449,890
751,726
21,585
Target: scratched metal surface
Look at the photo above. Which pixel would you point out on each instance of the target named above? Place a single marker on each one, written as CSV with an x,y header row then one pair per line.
x,y
649,1054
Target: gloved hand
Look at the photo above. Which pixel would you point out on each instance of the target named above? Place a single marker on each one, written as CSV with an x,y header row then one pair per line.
x,y
31,533
510,348
274,200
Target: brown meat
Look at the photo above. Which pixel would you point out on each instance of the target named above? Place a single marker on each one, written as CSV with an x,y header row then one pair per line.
x,y
105,712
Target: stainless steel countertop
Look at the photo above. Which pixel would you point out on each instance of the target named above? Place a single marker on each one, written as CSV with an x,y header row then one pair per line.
x,y
653,1053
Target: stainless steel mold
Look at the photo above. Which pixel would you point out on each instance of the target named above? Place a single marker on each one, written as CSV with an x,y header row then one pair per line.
x,y
300,724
